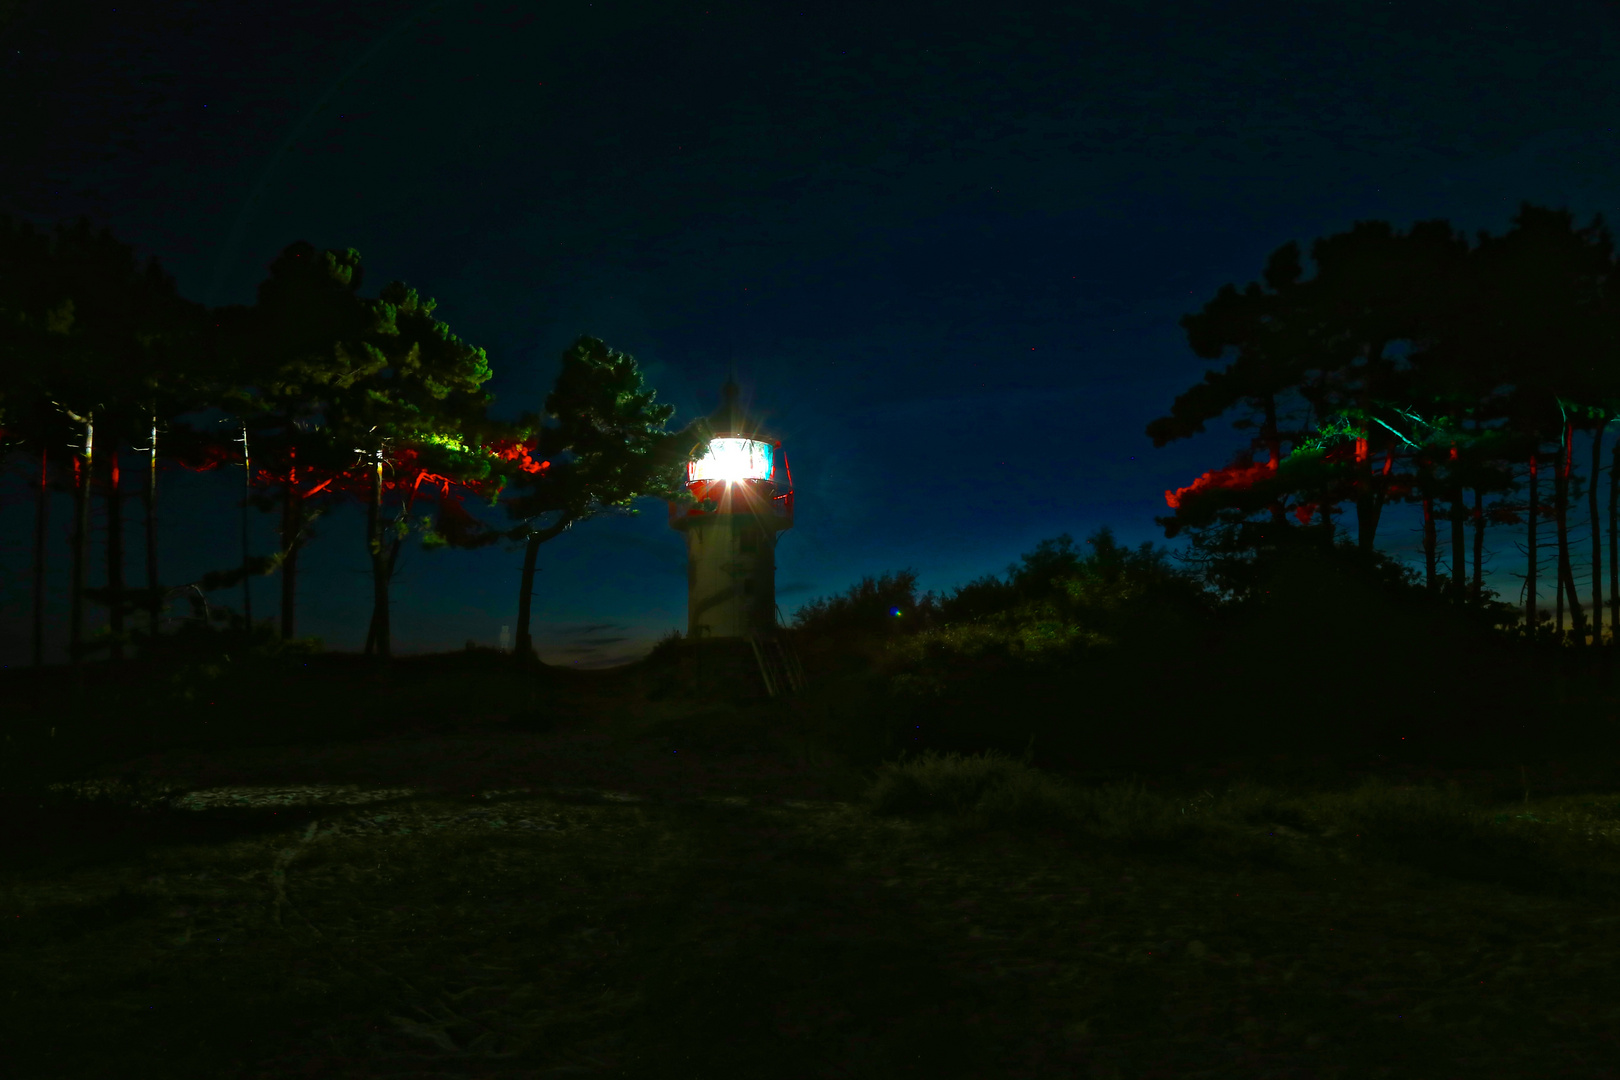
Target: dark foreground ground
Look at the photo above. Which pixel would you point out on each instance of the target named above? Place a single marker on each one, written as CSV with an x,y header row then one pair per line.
x,y
607,885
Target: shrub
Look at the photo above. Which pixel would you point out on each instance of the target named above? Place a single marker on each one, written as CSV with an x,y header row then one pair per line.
x,y
1128,814
667,647
957,784
874,606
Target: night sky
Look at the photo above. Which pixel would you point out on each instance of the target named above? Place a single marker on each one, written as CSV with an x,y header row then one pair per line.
x,y
945,247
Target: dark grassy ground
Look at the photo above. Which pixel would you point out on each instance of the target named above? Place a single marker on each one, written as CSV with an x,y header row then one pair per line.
x,y
419,874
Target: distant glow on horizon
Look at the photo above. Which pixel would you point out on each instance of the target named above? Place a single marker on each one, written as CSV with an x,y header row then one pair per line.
x,y
733,459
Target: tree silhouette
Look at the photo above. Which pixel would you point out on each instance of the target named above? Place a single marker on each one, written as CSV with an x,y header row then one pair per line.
x,y
289,357
408,413
33,325
1259,326
603,447
1431,370
120,326
1542,319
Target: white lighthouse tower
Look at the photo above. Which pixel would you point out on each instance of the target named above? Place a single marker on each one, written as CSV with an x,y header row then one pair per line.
x,y
743,501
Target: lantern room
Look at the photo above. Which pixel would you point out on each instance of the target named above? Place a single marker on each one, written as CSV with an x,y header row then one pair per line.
x,y
742,501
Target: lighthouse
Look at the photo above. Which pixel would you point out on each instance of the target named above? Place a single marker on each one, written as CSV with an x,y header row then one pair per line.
x,y
742,496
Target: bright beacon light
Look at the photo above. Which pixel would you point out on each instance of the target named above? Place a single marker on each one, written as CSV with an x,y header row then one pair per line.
x,y
733,459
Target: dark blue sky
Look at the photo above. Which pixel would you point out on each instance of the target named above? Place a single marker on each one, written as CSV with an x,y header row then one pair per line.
x,y
945,247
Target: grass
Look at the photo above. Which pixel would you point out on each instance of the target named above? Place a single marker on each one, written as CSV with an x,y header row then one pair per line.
x,y
470,904
1560,846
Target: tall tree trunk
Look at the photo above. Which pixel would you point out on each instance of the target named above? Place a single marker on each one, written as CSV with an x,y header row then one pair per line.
x,y
115,552
1566,574
378,639
1366,527
379,615
81,539
1477,584
524,648
1367,514
1459,544
1614,541
403,522
42,508
1597,535
1458,515
1381,495
1431,541
1560,549
292,522
247,557
154,601
1274,448
1530,598
1369,511
1369,496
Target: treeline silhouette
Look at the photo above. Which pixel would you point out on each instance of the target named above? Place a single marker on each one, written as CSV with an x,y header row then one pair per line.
x,y
1410,367
1099,656
1416,367
321,395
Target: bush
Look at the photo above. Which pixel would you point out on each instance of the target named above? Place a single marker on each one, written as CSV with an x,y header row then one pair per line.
x,y
1114,654
666,648
998,791
875,607
957,784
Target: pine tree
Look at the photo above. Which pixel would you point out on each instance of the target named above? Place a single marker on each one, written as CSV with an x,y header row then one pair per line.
x,y
411,415
304,344
604,447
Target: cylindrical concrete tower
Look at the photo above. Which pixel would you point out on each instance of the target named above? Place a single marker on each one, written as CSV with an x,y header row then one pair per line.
x,y
744,494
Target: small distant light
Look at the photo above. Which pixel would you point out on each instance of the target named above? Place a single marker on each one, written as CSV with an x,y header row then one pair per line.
x,y
895,612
